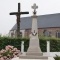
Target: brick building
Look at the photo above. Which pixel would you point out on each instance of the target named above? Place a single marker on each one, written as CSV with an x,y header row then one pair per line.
x,y
46,24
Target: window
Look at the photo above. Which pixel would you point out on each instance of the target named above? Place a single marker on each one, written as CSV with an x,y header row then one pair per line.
x,y
50,34
12,34
58,34
47,33
20,34
44,32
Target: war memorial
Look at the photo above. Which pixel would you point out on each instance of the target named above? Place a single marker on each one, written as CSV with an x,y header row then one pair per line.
x,y
34,52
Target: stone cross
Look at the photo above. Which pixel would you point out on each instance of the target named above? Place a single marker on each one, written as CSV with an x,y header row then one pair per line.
x,y
34,7
18,18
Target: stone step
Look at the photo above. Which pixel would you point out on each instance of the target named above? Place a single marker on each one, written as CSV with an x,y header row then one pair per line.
x,y
34,49
33,57
34,53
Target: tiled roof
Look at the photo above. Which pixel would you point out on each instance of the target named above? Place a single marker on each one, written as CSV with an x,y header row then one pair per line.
x,y
44,21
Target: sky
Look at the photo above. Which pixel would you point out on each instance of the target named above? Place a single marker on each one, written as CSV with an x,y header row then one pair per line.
x,y
6,6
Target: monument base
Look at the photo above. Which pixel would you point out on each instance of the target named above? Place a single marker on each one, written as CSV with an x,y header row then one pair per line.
x,y
34,48
34,57
34,54
17,58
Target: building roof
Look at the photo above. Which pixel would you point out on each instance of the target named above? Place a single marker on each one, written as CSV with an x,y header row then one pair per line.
x,y
44,21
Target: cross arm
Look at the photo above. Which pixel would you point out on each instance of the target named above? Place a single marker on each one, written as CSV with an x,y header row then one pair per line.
x,y
18,13
24,12
14,13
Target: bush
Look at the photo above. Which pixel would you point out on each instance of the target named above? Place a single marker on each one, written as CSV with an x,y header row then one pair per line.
x,y
9,52
16,42
57,57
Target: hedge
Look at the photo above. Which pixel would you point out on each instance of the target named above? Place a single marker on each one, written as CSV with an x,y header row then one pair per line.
x,y
57,57
54,43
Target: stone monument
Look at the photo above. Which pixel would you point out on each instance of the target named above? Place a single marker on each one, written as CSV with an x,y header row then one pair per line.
x,y
34,48
34,52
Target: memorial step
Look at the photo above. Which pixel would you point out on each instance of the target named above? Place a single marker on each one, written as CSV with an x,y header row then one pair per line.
x,y
34,57
34,53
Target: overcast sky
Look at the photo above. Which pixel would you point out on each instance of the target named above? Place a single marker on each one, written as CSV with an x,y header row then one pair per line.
x,y
6,6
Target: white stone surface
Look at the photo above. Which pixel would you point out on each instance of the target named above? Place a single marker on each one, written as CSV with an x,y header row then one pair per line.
x,y
34,40
51,58
48,46
34,6
17,58
22,46
50,54
34,48
34,24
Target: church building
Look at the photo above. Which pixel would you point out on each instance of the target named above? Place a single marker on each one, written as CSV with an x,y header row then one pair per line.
x,y
47,25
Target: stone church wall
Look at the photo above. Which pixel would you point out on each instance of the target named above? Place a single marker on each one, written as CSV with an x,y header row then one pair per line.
x,y
41,32
52,31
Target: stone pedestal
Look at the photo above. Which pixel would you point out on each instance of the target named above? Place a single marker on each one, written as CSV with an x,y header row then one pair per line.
x,y
34,48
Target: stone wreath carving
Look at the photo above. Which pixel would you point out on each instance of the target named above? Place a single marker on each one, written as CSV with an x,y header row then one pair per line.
x,y
34,33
